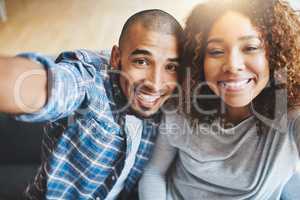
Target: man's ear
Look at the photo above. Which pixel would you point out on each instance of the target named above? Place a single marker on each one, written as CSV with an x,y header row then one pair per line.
x,y
115,58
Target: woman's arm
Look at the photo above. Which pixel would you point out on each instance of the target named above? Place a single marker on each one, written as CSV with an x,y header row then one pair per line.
x,y
153,182
297,131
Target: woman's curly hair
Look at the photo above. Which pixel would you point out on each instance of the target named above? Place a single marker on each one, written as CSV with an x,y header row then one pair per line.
x,y
280,28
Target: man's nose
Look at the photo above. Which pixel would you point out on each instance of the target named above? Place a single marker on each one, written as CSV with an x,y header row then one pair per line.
x,y
234,62
155,79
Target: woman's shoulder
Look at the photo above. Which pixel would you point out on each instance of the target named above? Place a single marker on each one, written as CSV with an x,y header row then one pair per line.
x,y
174,123
294,116
174,119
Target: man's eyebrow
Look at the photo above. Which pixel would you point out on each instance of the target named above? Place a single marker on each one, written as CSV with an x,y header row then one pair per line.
x,y
141,51
148,53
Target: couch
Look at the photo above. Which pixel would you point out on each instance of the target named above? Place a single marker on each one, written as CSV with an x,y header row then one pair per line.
x,y
20,146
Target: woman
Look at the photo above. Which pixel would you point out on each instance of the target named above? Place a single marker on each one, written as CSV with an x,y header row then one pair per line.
x,y
241,137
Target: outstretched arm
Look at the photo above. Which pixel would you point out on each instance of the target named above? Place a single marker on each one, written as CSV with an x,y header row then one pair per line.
x,y
40,89
23,85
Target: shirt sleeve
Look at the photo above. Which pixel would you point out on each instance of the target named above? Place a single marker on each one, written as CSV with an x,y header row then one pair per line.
x,y
153,182
69,80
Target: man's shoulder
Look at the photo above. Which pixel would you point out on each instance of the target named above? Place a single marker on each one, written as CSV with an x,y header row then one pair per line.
x,y
93,66
98,59
94,57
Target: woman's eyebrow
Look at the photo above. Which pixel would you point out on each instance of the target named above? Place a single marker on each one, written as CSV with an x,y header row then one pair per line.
x,y
249,37
214,40
220,40
173,59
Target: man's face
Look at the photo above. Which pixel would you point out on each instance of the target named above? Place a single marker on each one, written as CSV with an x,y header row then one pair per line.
x,y
148,61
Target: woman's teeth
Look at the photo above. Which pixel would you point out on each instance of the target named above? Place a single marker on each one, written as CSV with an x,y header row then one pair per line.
x,y
235,85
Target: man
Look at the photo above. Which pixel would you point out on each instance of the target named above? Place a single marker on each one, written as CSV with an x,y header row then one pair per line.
x,y
103,147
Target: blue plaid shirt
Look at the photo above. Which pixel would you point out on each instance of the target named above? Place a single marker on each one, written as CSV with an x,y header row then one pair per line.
x,y
84,147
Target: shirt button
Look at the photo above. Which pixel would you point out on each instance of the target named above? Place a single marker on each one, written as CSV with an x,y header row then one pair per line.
x,y
98,198
113,178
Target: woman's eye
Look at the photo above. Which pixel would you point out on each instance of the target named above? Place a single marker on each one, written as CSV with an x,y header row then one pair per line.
x,y
215,53
252,48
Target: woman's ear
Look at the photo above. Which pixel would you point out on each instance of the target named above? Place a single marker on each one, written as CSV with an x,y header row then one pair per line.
x,y
115,58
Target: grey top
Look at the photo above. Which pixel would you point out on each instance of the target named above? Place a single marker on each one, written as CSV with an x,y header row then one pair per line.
x,y
216,163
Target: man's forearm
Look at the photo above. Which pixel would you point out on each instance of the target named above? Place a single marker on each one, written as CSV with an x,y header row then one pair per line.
x,y
23,85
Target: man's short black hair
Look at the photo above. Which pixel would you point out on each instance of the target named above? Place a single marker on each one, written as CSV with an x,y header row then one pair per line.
x,y
153,20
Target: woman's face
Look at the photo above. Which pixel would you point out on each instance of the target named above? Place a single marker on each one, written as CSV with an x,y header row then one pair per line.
x,y
235,64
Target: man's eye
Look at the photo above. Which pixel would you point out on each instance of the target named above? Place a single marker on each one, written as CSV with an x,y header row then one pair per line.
x,y
171,67
140,62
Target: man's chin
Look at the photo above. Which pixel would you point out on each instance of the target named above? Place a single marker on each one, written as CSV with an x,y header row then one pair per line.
x,y
145,113
144,110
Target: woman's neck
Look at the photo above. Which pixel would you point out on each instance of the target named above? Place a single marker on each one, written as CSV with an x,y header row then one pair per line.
x,y
234,115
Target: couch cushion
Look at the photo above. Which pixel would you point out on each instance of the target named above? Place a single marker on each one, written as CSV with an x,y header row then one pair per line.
x,y
20,142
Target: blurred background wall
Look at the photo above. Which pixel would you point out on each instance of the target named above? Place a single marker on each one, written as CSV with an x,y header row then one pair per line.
x,y
51,26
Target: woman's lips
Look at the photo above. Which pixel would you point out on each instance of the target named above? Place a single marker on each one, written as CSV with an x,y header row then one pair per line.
x,y
234,85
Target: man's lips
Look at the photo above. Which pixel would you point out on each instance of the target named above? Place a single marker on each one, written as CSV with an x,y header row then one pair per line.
x,y
147,99
235,85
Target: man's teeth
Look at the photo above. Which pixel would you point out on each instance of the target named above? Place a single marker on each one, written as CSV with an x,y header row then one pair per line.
x,y
235,84
149,98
